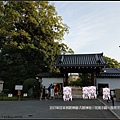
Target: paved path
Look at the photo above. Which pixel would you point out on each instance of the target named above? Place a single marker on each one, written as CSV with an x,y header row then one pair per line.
x,y
54,109
114,109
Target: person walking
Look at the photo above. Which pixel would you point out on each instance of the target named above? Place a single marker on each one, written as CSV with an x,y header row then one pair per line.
x,y
49,89
47,94
56,92
44,93
41,92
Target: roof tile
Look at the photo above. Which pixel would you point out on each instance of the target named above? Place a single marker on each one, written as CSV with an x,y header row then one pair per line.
x,y
109,72
80,60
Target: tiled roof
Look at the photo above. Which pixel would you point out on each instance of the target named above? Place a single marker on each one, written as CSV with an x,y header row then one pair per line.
x,y
109,73
50,75
81,60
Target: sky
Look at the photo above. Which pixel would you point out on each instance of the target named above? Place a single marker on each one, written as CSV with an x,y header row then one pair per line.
x,y
94,26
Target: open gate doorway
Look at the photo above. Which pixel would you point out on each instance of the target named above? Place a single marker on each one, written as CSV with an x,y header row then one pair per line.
x,y
80,63
100,88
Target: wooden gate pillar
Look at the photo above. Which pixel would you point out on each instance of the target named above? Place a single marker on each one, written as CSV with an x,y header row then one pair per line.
x,y
66,79
92,78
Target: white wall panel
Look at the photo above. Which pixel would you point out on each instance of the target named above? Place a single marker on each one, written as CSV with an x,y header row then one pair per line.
x,y
47,81
112,82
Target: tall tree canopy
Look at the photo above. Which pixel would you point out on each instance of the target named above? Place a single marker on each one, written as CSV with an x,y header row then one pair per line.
x,y
31,34
111,62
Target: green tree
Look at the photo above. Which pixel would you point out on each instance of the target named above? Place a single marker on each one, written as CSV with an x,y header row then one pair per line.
x,y
111,63
12,64
31,33
83,80
31,86
65,49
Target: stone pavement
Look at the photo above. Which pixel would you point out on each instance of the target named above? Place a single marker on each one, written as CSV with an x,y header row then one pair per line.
x,y
54,109
114,109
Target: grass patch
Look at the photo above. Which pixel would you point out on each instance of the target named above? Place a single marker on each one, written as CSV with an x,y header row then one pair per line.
x,y
13,98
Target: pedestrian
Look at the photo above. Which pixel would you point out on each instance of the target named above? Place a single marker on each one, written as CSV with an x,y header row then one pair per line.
x,y
56,91
49,89
47,94
41,92
112,99
44,93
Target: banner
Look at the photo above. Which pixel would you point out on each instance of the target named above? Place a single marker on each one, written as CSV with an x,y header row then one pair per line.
x,y
106,94
89,92
92,92
85,92
67,93
52,92
10,95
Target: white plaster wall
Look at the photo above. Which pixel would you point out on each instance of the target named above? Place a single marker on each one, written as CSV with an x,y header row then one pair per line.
x,y
47,81
113,83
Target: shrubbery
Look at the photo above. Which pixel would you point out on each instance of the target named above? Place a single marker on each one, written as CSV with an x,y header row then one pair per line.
x,y
31,86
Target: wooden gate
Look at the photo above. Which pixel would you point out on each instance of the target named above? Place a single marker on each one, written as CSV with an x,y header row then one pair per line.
x,y
76,92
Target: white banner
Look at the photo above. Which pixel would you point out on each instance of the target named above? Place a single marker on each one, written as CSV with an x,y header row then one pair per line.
x,y
67,93
25,95
92,92
52,92
106,93
89,92
85,91
18,87
10,95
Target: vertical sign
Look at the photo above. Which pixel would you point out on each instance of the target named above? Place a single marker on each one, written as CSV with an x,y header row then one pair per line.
x,y
106,94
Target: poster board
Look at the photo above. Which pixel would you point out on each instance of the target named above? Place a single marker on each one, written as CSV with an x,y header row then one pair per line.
x,y
52,92
10,95
85,92
92,92
67,93
25,95
106,94
18,87
89,92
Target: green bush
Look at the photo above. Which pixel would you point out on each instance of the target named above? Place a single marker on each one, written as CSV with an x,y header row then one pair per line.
x,y
6,91
32,84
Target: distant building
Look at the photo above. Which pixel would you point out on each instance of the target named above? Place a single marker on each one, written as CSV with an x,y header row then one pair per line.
x,y
54,78
80,63
109,78
94,64
73,76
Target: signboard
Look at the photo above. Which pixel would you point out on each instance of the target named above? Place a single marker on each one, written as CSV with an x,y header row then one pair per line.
x,y
85,91
10,95
67,93
106,94
18,87
25,95
89,92
92,92
52,92
112,93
